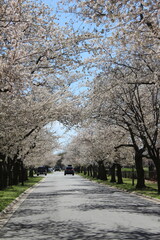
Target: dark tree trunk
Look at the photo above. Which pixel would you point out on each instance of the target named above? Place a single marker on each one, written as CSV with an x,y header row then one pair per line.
x,y
25,174
138,161
88,171
140,172
16,173
119,174
154,155
31,172
3,172
133,175
113,173
5,175
91,170
95,171
1,175
101,171
158,179
10,171
22,173
157,165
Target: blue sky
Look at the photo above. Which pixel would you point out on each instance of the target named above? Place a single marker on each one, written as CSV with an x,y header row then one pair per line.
x,y
65,17
61,131
58,128
64,134
62,16
50,3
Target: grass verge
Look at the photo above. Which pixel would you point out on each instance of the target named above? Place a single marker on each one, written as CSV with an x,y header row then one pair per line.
x,y
11,193
149,191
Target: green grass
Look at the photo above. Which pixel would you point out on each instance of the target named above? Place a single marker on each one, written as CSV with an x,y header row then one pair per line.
x,y
130,169
150,190
11,193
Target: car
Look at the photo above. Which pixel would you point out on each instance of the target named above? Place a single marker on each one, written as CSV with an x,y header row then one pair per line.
x,y
41,170
69,170
57,169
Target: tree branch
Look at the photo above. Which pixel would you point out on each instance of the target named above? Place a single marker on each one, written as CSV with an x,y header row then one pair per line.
x,y
123,145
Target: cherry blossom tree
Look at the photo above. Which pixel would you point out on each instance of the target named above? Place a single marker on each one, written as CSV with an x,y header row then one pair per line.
x,y
133,107
124,24
37,63
42,152
94,149
126,91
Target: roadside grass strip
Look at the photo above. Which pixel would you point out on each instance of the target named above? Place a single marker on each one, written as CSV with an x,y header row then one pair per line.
x,y
9,194
150,191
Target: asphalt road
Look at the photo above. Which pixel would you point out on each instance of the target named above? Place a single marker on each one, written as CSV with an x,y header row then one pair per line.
x,y
72,208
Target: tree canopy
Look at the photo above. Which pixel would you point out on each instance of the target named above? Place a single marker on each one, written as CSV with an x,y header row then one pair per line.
x,y
115,46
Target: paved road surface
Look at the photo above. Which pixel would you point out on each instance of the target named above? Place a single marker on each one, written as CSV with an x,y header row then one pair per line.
x,y
72,208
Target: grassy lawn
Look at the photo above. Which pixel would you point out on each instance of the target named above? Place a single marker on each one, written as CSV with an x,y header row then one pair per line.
x,y
11,193
150,191
130,169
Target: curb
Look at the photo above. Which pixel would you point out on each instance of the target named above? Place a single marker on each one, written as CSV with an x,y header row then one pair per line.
x,y
7,213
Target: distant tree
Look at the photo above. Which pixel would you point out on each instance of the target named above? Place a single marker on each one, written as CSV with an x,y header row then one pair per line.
x,y
94,149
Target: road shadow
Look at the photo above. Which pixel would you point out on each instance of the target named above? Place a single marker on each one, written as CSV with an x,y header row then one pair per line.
x,y
56,230
38,217
113,199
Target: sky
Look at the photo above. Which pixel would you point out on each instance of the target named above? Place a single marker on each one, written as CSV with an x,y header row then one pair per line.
x,y
53,4
64,134
60,130
50,3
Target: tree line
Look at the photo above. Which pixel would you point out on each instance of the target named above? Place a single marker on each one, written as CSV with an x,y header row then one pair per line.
x,y
122,103
113,53
37,59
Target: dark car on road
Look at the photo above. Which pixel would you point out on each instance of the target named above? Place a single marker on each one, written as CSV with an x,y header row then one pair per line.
x,y
41,170
57,169
69,170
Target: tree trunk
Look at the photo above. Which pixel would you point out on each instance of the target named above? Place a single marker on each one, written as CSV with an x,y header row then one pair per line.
x,y
91,170
3,183
88,171
140,172
113,173
31,172
1,175
25,174
16,171
101,171
10,171
119,174
157,165
95,171
22,173
5,176
133,176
